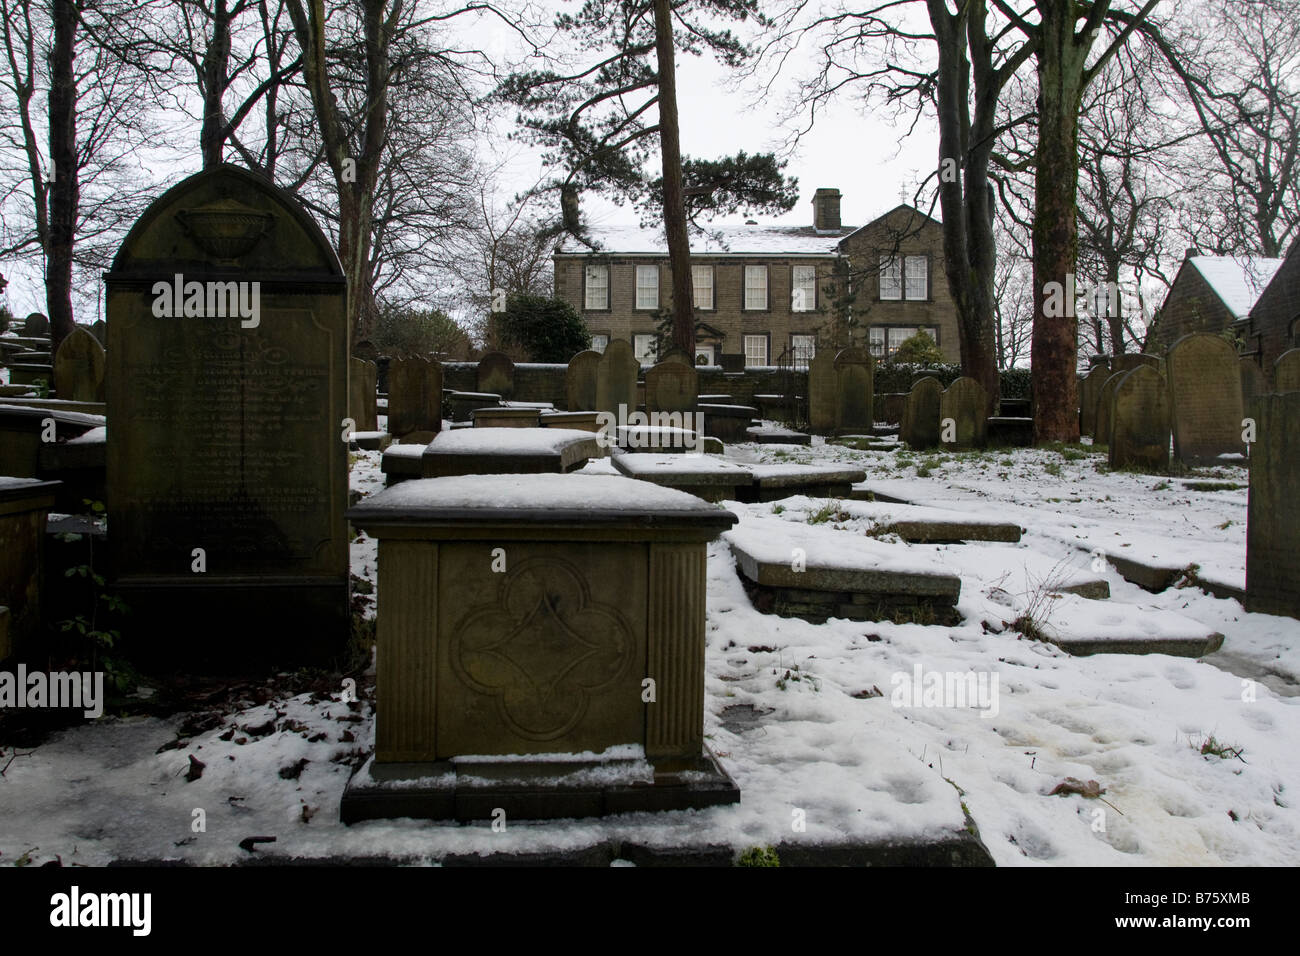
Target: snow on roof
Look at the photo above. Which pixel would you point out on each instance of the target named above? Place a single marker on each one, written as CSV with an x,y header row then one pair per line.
x,y
1237,280
718,239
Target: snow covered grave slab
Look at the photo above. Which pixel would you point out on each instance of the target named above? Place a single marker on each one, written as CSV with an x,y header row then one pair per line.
x,y
798,570
508,451
773,482
918,523
776,435
705,476
1081,627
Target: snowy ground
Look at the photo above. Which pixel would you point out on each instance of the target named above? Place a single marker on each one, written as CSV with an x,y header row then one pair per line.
x,y
822,733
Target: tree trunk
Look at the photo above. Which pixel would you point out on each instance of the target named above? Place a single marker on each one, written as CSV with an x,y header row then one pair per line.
x,y
1054,349
969,249
216,64
679,247
64,189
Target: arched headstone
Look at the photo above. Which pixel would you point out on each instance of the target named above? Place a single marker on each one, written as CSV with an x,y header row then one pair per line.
x,y
100,331
1286,372
227,374
496,374
920,427
965,403
1105,410
854,370
1139,429
580,381
79,368
1205,394
671,386
1089,391
616,378
36,324
822,392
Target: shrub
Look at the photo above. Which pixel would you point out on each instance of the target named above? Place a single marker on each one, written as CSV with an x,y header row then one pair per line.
x,y
920,349
548,330
401,332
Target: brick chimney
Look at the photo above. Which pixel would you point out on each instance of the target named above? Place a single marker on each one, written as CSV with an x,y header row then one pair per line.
x,y
826,210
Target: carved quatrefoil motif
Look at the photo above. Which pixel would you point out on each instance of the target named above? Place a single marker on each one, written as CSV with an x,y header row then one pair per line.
x,y
543,648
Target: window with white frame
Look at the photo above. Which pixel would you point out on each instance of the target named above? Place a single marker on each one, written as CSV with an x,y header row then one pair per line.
x,y
891,278
599,343
916,273
755,288
597,287
647,287
876,342
643,346
897,337
702,286
803,288
804,348
755,349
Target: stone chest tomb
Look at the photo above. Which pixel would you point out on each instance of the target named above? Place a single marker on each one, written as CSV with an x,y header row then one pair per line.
x,y
528,619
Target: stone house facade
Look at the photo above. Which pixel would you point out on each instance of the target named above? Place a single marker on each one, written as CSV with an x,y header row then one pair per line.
x,y
770,294
1211,294
1274,324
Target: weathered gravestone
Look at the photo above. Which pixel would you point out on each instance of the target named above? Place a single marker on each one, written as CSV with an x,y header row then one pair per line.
x,y
580,381
365,350
963,414
496,374
1286,372
362,385
671,386
920,427
1139,429
677,355
1128,361
1089,392
36,324
414,400
855,391
227,464
100,331
1273,510
1252,382
1205,394
822,392
1105,409
616,379
79,368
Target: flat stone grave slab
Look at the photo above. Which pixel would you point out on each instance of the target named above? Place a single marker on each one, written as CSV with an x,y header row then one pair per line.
x,y
867,442
508,451
773,482
22,373
1141,563
659,438
705,476
843,575
920,524
1082,627
462,404
30,343
506,417
403,462
583,421
716,399
772,405
727,423
57,405
371,441
776,435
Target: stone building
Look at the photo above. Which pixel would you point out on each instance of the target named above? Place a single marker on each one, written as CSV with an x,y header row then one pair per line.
x,y
770,293
1211,294
1274,324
